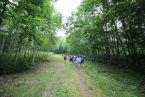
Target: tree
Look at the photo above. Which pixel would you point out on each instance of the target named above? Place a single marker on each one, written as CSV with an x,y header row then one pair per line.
x,y
27,27
111,31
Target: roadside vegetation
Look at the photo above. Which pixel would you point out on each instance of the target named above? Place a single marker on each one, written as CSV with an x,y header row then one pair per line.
x,y
109,31
109,34
56,79
115,81
27,28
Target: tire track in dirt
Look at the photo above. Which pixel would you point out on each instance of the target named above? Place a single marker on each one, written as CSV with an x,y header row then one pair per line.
x,y
50,91
86,89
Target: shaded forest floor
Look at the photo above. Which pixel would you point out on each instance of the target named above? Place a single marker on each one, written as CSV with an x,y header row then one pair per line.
x,y
53,78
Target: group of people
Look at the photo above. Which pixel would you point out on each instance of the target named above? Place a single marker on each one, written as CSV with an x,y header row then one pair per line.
x,y
79,60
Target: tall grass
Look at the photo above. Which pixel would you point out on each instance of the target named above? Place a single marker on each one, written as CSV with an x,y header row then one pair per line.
x,y
8,64
113,81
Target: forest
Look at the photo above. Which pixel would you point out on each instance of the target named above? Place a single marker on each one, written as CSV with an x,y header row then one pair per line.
x,y
108,35
109,31
27,29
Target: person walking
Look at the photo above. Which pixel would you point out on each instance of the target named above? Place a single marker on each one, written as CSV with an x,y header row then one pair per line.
x,y
65,57
78,61
71,59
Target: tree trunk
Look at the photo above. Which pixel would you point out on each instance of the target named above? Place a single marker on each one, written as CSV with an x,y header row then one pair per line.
x,y
33,55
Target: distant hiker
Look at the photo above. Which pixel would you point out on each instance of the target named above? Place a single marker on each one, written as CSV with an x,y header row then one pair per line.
x,y
78,61
74,59
65,57
71,58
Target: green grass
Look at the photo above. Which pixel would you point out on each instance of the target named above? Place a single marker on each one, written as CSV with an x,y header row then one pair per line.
x,y
113,81
105,80
30,83
67,85
70,81
8,65
34,88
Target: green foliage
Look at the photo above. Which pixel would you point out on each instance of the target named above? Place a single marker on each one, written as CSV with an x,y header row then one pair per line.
x,y
8,64
65,80
29,84
61,49
61,46
114,81
26,26
110,30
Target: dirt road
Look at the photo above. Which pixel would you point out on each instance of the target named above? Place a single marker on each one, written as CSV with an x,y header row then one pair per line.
x,y
50,79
